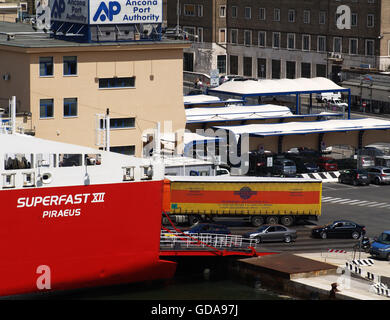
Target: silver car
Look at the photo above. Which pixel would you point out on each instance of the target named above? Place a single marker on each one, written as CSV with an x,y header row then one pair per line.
x,y
284,167
379,175
272,232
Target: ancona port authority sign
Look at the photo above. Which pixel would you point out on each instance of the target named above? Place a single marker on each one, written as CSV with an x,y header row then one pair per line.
x,y
106,12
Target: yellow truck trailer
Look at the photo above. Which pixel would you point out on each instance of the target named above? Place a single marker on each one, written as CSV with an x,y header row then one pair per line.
x,y
259,200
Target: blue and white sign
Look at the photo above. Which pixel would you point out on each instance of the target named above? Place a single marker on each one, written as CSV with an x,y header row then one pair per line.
x,y
106,11
125,11
74,11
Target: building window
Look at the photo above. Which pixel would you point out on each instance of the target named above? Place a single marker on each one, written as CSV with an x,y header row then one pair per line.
x,y
247,66
322,17
46,108
353,46
290,69
276,69
337,44
354,19
370,21
221,63
247,37
370,48
222,11
261,68
200,10
46,66
233,36
127,150
291,15
189,10
291,41
119,123
321,70
233,64
306,42
125,82
306,16
188,61
248,13
70,66
305,70
276,14
234,12
222,35
276,39
262,14
200,35
321,44
262,39
70,107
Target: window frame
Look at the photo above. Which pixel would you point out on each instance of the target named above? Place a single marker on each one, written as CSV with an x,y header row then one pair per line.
x,y
45,64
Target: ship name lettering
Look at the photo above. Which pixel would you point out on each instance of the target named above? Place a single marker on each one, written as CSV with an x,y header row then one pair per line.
x,y
53,200
98,197
61,213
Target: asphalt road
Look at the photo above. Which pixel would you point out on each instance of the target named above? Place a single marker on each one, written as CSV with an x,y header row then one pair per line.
x,y
366,205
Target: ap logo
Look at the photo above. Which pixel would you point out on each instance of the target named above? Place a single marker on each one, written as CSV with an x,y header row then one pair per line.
x,y
103,12
58,8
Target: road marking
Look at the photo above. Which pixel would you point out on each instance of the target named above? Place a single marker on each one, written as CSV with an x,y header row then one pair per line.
x,y
359,203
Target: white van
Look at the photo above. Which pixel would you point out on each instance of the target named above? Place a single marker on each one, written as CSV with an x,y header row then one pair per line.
x,y
328,96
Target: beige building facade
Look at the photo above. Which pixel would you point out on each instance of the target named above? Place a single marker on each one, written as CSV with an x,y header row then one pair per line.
x,y
65,85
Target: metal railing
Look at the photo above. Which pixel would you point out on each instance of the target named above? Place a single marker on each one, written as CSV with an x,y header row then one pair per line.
x,y
179,241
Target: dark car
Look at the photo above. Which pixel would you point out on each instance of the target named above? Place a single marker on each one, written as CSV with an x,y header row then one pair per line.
x,y
327,164
339,229
354,176
272,232
208,228
304,165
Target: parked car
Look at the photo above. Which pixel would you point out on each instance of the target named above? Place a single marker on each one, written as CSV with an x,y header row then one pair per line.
x,y
339,229
208,228
366,161
272,232
327,164
381,246
354,176
304,165
284,167
379,175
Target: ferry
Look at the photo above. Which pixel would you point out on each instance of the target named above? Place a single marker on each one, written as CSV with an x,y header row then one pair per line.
x,y
75,217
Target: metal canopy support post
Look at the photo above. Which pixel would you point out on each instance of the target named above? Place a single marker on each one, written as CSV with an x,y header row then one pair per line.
x,y
349,103
360,139
311,103
280,144
297,109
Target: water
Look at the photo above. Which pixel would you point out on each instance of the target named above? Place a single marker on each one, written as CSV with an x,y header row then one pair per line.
x,y
180,288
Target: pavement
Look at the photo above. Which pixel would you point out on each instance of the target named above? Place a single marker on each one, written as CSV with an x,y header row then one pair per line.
x,y
351,285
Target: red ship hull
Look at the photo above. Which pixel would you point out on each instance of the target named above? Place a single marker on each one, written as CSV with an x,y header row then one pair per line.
x,y
71,237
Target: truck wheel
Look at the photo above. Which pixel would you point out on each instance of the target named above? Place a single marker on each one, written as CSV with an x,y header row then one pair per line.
x,y
165,221
287,221
257,221
272,220
193,220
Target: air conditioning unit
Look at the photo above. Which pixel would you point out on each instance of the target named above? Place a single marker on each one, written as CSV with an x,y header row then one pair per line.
x,y
6,77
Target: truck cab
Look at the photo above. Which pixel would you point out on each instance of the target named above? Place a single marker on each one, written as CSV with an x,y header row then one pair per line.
x,y
381,246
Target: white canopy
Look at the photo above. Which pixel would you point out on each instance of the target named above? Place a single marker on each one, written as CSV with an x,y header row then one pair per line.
x,y
279,86
289,128
236,113
200,98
